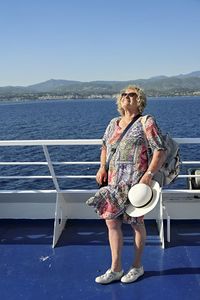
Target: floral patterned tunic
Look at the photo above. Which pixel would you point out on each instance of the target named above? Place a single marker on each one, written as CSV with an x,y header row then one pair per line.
x,y
126,167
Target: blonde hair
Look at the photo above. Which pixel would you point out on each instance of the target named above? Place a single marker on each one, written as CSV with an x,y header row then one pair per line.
x,y
141,99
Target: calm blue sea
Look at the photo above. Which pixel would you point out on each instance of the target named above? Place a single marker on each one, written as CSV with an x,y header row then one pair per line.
x,y
78,119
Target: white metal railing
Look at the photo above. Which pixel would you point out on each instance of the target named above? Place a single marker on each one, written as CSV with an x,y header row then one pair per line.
x,y
59,218
45,143
60,215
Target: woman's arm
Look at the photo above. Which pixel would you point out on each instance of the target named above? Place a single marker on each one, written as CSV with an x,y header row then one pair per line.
x,y
101,175
156,163
155,143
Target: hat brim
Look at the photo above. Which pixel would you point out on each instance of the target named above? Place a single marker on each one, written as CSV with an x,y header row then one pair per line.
x,y
140,211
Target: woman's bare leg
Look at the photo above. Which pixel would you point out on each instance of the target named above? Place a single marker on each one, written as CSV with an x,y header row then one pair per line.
x,y
140,237
116,242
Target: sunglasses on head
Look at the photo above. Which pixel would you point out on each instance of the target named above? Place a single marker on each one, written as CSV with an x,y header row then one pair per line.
x,y
128,94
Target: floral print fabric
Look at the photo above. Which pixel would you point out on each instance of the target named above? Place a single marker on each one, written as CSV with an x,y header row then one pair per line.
x,y
127,165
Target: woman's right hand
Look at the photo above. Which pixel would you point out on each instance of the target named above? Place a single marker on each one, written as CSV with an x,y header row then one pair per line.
x,y
101,175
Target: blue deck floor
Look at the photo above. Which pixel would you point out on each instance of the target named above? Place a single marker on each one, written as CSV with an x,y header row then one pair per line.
x,y
31,269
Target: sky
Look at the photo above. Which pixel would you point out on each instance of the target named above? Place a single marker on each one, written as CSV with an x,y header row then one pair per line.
x,y
88,40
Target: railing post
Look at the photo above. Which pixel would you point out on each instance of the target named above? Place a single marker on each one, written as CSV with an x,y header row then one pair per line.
x,y
60,219
160,221
51,169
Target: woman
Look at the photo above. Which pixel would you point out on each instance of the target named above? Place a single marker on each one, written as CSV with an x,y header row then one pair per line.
x,y
128,166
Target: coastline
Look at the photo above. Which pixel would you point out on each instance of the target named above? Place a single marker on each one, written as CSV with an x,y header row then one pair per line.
x,y
29,98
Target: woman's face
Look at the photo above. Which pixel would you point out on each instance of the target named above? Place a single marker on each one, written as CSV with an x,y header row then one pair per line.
x,y
128,100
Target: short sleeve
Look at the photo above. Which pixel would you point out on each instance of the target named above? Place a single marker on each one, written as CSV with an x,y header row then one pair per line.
x,y
108,132
153,134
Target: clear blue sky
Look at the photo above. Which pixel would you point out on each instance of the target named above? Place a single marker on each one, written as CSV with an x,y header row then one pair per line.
x,y
90,40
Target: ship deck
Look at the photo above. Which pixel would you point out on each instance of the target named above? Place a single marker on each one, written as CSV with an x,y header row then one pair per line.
x,y
31,269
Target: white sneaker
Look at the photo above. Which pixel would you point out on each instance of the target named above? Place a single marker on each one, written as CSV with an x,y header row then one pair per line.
x,y
132,275
109,277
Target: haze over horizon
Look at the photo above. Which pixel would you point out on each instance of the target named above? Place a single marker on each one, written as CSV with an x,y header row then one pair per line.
x,y
97,40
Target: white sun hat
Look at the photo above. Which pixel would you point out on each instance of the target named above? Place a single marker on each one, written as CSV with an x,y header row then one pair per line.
x,y
143,198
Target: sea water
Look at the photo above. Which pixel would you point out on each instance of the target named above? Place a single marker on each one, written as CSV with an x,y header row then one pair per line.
x,y
81,119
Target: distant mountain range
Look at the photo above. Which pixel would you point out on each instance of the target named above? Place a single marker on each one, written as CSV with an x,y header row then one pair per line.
x,y
183,84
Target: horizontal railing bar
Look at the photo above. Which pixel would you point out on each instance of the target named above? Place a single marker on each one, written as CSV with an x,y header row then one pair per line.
x,y
194,162
51,142
187,191
75,176
47,191
77,142
15,163
167,191
26,191
47,177
187,140
76,163
25,177
188,176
